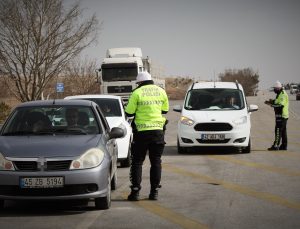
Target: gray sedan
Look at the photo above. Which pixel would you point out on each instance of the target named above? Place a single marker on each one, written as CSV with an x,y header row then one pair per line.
x,y
58,149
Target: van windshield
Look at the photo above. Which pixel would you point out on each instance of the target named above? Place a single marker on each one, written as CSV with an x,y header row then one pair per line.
x,y
214,99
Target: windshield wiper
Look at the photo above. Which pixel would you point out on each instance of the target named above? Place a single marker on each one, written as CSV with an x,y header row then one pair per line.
x,y
17,133
75,131
24,133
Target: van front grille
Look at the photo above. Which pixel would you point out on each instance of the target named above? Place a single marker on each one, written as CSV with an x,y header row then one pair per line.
x,y
213,141
213,126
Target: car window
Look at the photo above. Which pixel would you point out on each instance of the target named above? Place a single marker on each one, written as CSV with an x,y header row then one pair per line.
x,y
109,107
214,99
52,120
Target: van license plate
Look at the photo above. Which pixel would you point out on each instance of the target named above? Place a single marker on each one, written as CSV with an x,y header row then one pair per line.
x,y
212,136
42,182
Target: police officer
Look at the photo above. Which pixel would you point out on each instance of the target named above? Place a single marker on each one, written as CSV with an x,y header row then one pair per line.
x,y
281,109
147,103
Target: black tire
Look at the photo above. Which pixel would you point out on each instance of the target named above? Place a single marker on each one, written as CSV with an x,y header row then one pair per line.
x,y
103,203
248,148
181,150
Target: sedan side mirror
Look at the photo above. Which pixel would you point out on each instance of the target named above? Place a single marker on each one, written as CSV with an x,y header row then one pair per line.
x,y
116,132
177,108
252,108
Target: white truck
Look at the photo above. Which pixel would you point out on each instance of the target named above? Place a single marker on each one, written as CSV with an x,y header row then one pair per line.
x,y
119,70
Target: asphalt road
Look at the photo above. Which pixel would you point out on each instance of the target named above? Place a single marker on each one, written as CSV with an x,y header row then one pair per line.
x,y
219,189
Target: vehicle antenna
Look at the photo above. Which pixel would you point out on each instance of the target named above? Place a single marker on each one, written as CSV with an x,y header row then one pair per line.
x,y
214,79
237,85
192,86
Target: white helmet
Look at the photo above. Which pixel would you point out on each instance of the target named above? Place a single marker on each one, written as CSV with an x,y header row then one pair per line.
x,y
143,76
278,84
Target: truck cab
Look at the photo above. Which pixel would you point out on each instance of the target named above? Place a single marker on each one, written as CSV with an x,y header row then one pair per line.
x,y
119,70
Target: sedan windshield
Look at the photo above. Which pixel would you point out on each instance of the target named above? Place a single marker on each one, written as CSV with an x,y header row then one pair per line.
x,y
52,120
214,99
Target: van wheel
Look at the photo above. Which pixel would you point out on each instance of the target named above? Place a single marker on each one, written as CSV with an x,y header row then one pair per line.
x,y
127,161
181,150
247,149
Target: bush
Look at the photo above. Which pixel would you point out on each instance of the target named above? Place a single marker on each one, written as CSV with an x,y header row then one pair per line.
x,y
246,77
4,111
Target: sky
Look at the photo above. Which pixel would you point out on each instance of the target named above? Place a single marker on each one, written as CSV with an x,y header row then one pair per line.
x,y
202,38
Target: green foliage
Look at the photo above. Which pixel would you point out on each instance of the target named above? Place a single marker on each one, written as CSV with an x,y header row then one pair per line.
x,y
246,77
4,111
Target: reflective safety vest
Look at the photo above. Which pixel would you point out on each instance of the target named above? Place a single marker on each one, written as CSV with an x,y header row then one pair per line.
x,y
147,103
282,102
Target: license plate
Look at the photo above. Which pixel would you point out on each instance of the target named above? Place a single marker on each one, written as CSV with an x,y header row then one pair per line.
x,y
212,136
41,182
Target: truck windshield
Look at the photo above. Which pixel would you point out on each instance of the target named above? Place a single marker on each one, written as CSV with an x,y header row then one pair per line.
x,y
119,72
214,99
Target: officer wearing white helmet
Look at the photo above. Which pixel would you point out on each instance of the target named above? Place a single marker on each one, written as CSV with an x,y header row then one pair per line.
x,y
281,109
147,103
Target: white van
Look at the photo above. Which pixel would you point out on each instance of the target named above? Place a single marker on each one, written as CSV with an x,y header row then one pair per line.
x,y
214,114
293,89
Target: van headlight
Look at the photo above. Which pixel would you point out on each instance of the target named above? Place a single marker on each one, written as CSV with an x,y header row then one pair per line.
x,y
6,164
123,127
186,121
90,159
240,121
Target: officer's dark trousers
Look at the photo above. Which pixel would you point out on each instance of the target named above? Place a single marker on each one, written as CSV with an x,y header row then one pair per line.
x,y
151,141
280,132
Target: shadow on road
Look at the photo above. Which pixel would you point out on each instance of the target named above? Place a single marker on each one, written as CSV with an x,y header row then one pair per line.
x,y
172,151
44,208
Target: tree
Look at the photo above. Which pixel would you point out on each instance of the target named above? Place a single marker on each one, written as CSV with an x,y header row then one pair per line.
x,y
246,77
4,111
38,38
80,78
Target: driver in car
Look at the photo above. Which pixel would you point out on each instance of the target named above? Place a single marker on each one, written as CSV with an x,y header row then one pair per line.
x,y
72,117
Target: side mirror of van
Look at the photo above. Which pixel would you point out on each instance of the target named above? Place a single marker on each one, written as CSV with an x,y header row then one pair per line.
x,y
177,108
252,108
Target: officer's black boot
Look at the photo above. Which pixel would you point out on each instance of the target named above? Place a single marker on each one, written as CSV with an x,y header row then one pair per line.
x,y
154,193
135,194
273,148
283,147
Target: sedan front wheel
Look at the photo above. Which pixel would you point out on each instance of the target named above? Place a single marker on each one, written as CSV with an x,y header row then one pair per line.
x,y
103,203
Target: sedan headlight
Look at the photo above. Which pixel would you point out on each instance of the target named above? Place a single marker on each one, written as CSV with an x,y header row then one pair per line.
x,y
90,159
186,121
6,164
240,121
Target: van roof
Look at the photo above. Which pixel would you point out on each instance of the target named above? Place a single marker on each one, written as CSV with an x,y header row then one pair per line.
x,y
201,85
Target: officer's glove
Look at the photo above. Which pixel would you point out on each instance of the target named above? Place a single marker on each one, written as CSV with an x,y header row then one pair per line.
x,y
269,102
